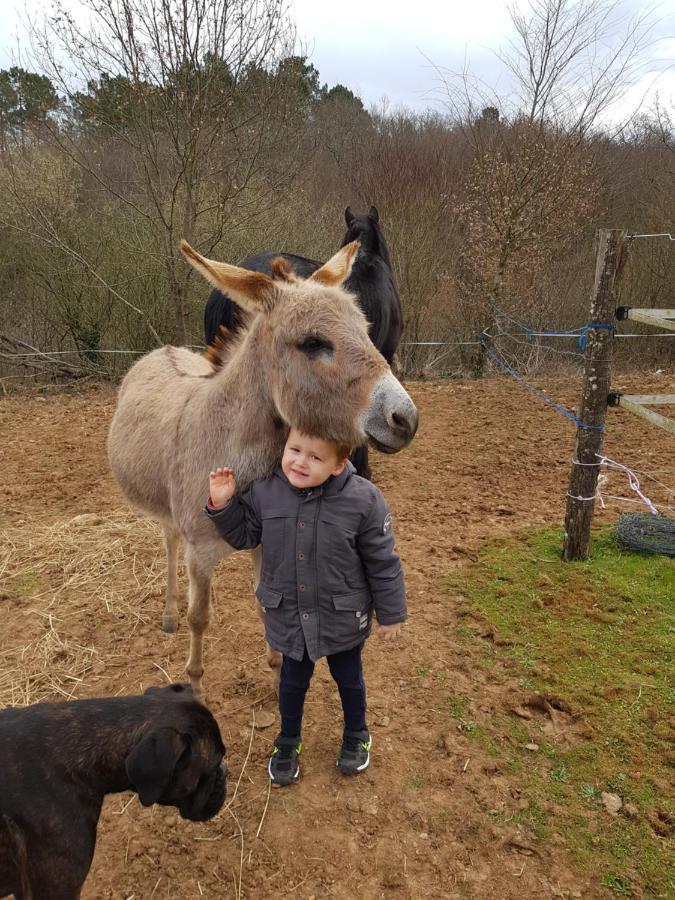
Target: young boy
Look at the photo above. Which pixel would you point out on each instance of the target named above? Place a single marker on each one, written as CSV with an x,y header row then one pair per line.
x,y
328,561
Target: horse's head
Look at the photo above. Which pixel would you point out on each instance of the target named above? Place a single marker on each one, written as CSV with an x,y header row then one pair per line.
x,y
365,228
309,339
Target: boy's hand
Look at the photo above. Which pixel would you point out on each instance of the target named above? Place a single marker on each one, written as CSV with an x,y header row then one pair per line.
x,y
222,486
388,632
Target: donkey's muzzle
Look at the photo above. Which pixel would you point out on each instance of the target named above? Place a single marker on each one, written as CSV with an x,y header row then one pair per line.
x,y
391,419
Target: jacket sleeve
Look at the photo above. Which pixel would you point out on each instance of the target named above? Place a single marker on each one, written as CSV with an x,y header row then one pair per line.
x,y
382,563
238,521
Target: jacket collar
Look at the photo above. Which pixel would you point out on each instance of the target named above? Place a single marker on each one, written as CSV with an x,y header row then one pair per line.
x,y
329,488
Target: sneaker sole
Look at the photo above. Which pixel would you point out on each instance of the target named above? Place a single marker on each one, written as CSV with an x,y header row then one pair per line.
x,y
279,784
356,771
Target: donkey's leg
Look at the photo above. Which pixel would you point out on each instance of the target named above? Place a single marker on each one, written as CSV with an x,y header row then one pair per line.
x,y
170,614
274,658
200,567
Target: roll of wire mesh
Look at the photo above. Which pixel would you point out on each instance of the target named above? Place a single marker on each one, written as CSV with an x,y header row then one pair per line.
x,y
646,532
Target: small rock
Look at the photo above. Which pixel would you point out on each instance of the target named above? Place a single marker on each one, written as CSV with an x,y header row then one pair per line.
x,y
85,519
382,721
424,836
532,747
631,811
370,809
611,802
261,718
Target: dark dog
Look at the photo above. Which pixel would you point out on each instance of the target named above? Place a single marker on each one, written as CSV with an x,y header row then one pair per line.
x,y
58,760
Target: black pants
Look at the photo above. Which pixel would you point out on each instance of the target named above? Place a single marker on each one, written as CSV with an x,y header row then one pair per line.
x,y
347,671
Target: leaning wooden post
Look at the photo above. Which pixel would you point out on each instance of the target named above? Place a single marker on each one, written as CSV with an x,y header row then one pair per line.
x,y
612,253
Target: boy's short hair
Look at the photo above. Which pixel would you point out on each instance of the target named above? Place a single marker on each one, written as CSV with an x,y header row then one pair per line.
x,y
343,451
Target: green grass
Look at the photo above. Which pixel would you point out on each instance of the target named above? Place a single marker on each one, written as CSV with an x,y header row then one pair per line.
x,y
597,638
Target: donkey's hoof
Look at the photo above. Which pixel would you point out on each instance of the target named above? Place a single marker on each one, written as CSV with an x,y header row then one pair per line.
x,y
170,624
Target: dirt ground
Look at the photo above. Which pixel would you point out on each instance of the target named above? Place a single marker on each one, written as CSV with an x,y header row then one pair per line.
x,y
488,459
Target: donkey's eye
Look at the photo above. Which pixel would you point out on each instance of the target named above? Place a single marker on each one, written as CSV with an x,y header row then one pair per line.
x,y
313,345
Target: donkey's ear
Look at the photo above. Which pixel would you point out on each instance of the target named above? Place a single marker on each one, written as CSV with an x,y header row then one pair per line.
x,y
349,216
254,291
338,267
374,214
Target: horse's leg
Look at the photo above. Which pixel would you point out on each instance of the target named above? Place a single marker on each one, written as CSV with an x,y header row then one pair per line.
x,y
359,458
200,568
274,658
170,614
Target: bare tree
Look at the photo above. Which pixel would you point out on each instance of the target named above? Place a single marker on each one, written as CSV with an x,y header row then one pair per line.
x,y
532,184
176,114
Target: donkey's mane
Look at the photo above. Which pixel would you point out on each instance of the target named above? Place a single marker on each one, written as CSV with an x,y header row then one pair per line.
x,y
219,349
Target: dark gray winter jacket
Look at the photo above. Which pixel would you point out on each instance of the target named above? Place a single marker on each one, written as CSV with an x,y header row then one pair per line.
x,y
328,560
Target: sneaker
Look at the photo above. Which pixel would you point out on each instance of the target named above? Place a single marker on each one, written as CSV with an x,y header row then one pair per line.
x,y
284,767
355,752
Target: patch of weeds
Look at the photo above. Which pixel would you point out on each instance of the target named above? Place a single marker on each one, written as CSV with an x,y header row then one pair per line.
x,y
617,783
560,774
454,706
414,783
602,643
617,885
422,671
538,821
589,792
465,631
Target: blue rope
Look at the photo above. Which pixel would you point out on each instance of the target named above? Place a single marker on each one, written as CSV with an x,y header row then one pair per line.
x,y
561,409
582,330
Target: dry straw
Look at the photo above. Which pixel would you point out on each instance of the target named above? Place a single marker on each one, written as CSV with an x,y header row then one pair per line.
x,y
67,578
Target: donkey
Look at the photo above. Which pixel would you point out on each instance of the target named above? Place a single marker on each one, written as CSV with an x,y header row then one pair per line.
x,y
371,279
305,360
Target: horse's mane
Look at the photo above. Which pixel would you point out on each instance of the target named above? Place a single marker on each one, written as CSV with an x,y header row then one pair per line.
x,y
220,349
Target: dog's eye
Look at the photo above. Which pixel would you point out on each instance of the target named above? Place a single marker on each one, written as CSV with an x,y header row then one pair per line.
x,y
313,345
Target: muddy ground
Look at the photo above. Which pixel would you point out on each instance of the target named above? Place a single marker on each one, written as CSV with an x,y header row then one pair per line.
x,y
488,459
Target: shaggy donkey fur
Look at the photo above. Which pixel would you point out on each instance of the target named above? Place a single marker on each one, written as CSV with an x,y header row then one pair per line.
x,y
305,361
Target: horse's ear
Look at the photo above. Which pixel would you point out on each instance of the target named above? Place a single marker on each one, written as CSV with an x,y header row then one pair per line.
x,y
338,267
374,214
254,291
349,216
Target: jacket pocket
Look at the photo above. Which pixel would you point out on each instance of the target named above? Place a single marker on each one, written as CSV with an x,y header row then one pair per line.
x,y
268,598
357,601
351,616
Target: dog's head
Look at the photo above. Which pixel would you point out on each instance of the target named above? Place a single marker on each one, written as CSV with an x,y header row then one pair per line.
x,y
177,760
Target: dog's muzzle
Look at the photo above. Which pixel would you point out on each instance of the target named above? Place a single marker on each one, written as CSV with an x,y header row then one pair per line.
x,y
207,799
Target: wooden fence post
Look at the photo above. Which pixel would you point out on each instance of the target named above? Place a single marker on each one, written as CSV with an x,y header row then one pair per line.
x,y
612,254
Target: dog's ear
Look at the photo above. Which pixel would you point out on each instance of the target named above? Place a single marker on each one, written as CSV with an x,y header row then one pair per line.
x,y
151,763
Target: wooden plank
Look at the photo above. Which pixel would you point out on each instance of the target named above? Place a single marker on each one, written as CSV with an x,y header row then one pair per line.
x,y
661,313
651,399
648,414
643,315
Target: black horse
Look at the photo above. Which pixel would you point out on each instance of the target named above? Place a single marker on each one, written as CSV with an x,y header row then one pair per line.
x,y
371,279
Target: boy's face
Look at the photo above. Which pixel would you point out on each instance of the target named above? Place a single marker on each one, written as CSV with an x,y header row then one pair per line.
x,y
309,461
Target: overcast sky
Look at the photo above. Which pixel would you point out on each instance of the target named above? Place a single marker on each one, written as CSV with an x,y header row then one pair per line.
x,y
388,49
